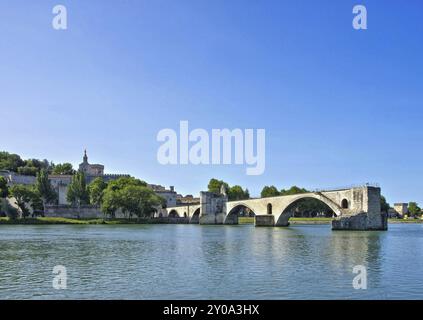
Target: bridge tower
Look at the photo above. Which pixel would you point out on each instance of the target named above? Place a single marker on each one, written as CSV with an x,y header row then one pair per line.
x,y
366,211
212,207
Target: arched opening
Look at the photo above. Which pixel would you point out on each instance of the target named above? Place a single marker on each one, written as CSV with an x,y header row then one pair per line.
x,y
306,208
185,214
195,218
269,208
240,214
173,214
344,204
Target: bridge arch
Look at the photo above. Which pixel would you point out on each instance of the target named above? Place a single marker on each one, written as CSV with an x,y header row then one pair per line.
x,y
195,218
232,216
281,219
173,214
239,206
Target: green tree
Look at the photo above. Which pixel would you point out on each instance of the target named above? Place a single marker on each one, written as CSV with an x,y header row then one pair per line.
x,y
384,205
269,191
23,196
125,181
234,193
215,185
237,193
39,164
4,193
138,200
111,201
77,191
44,188
414,209
63,169
131,196
36,202
247,193
4,189
293,190
32,166
28,171
96,189
10,161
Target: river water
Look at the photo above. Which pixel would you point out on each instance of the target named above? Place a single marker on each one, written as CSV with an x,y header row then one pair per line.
x,y
210,262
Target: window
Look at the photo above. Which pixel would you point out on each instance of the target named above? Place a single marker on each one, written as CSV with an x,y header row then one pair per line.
x,y
344,204
269,208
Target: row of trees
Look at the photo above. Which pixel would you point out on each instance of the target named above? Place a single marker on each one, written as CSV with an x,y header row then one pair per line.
x,y
272,191
414,209
34,197
128,195
31,167
234,193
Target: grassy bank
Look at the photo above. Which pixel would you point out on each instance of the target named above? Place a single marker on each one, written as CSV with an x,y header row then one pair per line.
x,y
45,220
246,220
250,220
405,220
319,220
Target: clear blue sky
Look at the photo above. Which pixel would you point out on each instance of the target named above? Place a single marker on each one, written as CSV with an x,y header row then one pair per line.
x,y
339,106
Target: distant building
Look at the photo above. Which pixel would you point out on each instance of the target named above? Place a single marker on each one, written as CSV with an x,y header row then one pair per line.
x,y
93,171
90,169
399,210
188,199
168,194
60,183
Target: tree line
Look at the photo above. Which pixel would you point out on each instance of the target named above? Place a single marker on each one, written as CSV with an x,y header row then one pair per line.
x,y
30,167
34,197
128,195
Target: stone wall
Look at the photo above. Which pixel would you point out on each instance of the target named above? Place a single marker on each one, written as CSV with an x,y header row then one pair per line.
x,y
15,178
64,211
264,220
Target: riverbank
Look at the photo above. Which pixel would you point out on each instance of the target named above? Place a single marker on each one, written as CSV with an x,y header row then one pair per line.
x,y
64,221
241,220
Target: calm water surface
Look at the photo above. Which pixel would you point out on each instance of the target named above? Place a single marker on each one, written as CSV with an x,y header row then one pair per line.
x,y
209,262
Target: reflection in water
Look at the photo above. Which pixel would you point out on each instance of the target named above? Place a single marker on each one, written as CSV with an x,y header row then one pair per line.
x,y
209,262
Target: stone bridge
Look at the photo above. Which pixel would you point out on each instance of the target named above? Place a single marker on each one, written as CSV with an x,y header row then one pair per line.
x,y
356,209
